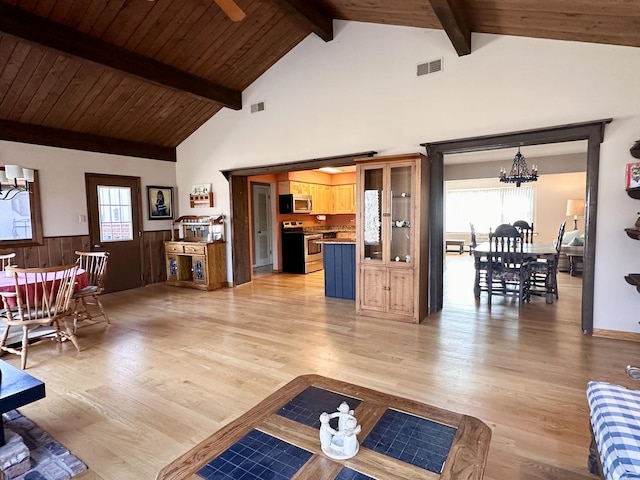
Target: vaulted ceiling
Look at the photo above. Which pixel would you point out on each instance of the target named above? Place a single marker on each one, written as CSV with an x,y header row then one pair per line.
x,y
137,77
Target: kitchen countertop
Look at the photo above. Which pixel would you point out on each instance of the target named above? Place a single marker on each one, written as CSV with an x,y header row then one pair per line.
x,y
347,240
335,228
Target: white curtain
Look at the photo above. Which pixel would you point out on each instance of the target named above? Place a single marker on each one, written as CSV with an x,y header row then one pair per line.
x,y
487,207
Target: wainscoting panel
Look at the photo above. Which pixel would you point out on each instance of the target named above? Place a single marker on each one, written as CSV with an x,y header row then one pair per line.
x,y
61,251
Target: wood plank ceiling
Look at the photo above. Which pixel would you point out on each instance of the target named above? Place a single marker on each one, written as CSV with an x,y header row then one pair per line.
x,y
137,77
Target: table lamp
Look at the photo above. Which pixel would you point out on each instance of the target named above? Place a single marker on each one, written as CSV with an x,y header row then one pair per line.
x,y
575,207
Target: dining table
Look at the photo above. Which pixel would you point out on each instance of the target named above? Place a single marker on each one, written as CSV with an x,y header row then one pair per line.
x,y
8,284
535,251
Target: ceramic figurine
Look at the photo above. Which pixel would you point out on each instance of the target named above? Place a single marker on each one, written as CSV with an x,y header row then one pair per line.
x,y
343,413
326,432
350,442
339,444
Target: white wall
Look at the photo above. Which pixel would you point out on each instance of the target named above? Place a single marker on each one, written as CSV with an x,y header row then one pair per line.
x,y
62,185
360,92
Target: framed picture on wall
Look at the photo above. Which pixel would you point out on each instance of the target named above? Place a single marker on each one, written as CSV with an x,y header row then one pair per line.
x,y
632,177
160,202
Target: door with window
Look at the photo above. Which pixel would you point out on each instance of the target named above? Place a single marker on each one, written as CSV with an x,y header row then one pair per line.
x,y
114,208
261,208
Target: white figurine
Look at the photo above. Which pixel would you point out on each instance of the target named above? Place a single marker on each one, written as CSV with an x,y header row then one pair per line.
x,y
350,442
343,413
326,432
339,444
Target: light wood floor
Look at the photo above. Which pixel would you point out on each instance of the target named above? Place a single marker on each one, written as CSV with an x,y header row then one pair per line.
x,y
177,364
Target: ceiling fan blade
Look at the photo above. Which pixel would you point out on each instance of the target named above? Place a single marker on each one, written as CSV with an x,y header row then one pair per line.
x,y
231,8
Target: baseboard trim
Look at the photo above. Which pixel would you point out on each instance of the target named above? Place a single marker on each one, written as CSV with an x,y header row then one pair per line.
x,y
617,335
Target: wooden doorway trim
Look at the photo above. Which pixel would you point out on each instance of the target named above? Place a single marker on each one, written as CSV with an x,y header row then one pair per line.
x,y
239,202
593,132
241,245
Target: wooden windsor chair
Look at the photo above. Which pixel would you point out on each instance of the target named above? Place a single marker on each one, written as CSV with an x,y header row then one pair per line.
x,y
87,304
38,308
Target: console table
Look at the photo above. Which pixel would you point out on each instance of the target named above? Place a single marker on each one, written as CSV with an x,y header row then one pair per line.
x,y
200,265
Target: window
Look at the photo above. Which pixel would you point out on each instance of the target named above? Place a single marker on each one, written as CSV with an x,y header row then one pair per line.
x,y
20,217
487,208
116,214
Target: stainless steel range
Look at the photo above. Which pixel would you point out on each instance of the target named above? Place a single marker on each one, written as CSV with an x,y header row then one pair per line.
x,y
300,253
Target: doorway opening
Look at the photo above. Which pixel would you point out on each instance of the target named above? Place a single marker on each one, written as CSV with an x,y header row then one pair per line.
x,y
115,225
261,228
593,132
474,196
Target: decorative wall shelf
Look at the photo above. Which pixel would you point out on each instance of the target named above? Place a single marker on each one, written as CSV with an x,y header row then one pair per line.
x,y
201,200
633,233
634,192
633,279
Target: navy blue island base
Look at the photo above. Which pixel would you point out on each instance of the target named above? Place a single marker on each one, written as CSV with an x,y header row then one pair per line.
x,y
340,269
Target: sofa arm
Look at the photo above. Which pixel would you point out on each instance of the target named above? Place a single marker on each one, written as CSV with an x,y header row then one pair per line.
x,y
615,421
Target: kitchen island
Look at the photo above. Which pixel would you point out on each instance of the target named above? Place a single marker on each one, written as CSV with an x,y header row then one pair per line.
x,y
339,261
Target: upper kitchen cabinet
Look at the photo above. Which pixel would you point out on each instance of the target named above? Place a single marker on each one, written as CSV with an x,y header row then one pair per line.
x,y
344,198
392,237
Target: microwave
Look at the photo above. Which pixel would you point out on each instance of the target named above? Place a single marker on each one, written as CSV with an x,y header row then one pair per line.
x,y
291,203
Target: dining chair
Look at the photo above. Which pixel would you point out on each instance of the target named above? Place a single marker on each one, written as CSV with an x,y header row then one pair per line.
x,y
525,229
507,265
6,260
39,306
480,263
86,300
544,272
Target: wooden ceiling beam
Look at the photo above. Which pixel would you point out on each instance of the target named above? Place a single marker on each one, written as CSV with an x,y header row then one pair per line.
x,y
453,19
62,39
55,137
319,21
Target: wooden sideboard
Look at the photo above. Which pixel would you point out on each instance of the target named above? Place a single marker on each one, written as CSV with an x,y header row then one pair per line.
x,y
200,265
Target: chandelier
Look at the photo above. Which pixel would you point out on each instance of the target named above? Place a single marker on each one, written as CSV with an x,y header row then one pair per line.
x,y
519,172
13,180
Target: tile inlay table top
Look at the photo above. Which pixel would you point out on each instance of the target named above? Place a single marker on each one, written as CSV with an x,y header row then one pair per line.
x,y
278,438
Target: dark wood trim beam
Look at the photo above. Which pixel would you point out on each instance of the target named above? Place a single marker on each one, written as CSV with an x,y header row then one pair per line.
x,y
55,137
563,133
62,39
453,19
318,21
311,164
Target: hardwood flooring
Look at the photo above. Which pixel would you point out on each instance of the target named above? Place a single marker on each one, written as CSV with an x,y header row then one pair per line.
x,y
177,364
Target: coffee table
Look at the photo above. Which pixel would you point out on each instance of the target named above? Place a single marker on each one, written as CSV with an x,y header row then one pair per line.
x,y
16,390
400,439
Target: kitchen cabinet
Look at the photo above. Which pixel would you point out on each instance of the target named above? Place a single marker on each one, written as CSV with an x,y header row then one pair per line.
x,y
344,198
392,237
327,199
323,199
296,188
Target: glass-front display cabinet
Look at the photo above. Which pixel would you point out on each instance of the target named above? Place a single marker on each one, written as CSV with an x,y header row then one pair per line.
x,y
390,252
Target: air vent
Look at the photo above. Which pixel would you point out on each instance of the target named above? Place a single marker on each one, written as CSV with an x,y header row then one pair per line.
x,y
431,66
257,107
